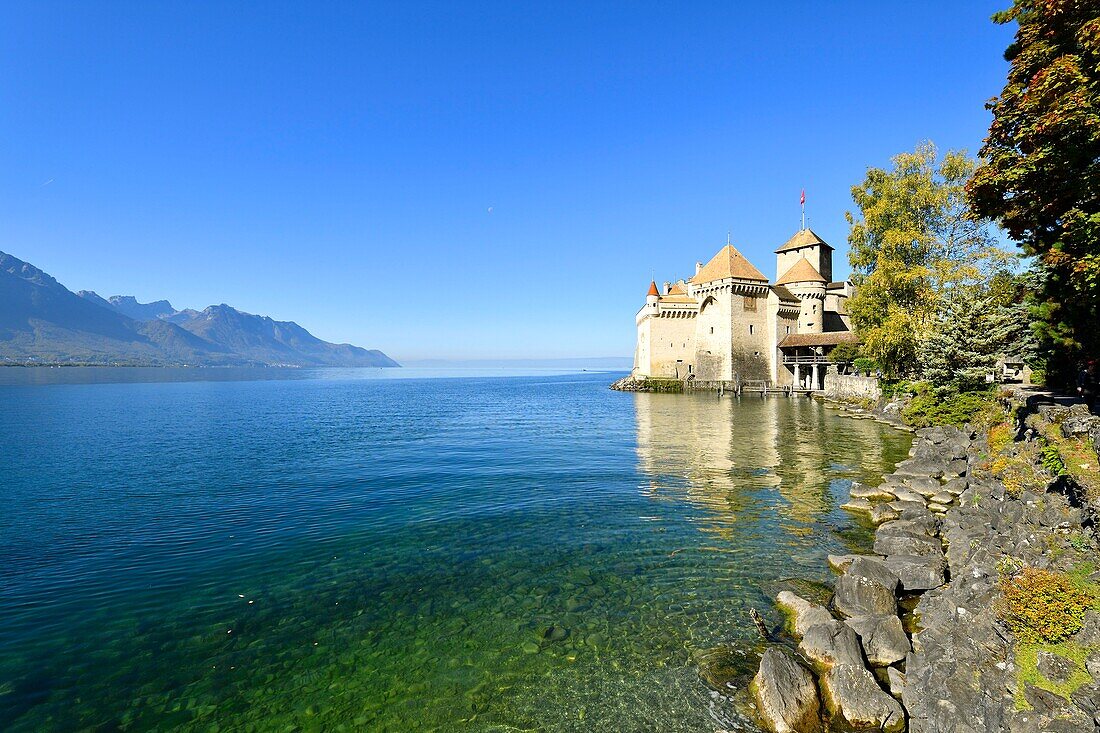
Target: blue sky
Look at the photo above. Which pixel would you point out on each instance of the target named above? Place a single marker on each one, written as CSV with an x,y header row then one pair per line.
x,y
459,180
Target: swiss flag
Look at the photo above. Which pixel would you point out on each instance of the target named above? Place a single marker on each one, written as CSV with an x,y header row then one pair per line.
x,y
803,199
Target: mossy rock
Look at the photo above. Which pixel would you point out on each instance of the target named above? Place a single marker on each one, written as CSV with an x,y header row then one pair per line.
x,y
812,590
726,665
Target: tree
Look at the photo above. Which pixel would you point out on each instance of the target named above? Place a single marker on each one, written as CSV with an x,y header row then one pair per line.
x,y
974,326
1041,175
913,240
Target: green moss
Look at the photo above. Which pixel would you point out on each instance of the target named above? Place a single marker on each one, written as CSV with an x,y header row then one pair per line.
x,y
1028,672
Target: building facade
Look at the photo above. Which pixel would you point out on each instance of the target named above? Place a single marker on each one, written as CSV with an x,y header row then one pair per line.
x,y
729,324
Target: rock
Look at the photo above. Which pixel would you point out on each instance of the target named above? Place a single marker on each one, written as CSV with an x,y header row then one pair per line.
x,y
801,613
856,504
937,508
897,681
840,563
724,665
852,694
1078,421
918,572
923,524
910,508
1089,635
1087,697
1054,667
871,493
955,468
955,486
926,487
882,637
919,468
904,494
943,497
831,643
1092,666
786,696
883,513
554,633
866,589
906,543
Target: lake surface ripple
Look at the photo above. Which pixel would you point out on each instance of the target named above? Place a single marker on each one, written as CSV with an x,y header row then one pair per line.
x,y
330,552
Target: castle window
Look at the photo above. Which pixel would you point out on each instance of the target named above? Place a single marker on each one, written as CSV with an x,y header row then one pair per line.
x,y
712,329
815,309
788,329
751,329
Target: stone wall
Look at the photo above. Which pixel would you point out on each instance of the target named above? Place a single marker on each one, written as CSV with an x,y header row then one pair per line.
x,y
850,387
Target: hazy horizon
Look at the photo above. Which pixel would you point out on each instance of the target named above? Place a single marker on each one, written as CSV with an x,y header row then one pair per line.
x,y
453,182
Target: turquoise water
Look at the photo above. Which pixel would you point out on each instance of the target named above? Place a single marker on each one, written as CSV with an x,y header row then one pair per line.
x,y
340,550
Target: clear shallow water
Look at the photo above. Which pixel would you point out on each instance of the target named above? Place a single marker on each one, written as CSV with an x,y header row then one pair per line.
x,y
326,550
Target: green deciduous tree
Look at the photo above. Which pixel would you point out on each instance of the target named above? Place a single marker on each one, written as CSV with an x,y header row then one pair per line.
x,y
1041,174
912,240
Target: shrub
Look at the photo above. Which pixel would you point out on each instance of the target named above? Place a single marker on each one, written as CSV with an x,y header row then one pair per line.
x,y
1000,436
865,364
1042,605
928,408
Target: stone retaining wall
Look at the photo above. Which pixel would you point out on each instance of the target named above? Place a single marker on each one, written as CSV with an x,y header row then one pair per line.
x,y
850,387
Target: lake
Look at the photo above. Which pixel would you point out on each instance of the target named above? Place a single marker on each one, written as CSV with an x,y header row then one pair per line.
x,y
358,550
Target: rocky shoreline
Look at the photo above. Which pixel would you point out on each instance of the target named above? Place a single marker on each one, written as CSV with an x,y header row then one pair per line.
x,y
912,639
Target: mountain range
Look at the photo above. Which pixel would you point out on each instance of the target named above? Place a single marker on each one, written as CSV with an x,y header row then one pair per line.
x,y
43,322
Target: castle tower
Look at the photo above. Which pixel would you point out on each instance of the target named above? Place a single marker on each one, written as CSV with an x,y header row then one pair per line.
x,y
808,285
805,244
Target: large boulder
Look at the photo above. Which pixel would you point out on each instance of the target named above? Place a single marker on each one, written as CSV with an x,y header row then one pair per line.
x,y
903,542
881,513
883,638
920,468
829,644
926,487
866,588
802,613
852,694
786,696
918,572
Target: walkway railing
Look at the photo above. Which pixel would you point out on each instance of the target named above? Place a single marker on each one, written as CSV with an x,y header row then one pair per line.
x,y
814,359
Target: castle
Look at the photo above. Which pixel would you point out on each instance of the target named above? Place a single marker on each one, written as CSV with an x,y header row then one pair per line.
x,y
728,324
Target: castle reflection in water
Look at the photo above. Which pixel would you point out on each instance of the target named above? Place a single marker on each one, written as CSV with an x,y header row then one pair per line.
x,y
746,459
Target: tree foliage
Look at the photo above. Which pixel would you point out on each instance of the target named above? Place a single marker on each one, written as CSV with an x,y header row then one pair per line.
x,y
1041,175
912,241
974,326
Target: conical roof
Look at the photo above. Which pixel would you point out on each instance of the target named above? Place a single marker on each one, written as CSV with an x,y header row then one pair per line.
x,y
728,263
801,272
653,288
803,238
